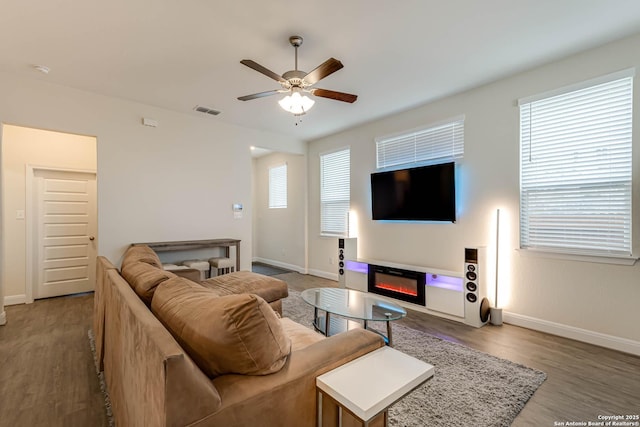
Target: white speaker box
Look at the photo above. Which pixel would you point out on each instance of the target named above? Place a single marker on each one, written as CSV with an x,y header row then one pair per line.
x,y
347,250
476,303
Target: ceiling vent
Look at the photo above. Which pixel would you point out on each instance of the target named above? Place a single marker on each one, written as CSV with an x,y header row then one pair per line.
x,y
206,110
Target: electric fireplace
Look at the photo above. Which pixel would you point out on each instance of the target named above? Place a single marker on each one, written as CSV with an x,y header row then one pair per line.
x,y
396,283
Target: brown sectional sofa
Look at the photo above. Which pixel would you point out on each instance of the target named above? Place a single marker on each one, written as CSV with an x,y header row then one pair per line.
x,y
178,353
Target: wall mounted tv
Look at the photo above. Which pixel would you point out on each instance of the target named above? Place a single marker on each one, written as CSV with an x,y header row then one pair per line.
x,y
426,193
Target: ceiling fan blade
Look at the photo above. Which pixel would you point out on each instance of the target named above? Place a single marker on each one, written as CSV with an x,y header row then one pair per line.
x,y
329,66
258,95
338,96
259,68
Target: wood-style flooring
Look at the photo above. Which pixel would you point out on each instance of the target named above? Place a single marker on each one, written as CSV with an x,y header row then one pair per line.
x,y
47,375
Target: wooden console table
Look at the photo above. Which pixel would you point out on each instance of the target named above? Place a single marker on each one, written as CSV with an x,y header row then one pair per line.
x,y
186,245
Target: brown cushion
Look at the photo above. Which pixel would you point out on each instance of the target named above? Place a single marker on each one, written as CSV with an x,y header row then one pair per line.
x,y
235,334
247,282
300,336
141,253
144,279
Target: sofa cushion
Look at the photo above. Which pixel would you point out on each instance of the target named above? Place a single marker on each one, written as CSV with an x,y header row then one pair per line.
x,y
144,278
300,336
234,334
141,253
267,287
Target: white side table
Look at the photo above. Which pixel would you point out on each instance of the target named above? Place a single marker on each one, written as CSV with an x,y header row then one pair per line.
x,y
368,385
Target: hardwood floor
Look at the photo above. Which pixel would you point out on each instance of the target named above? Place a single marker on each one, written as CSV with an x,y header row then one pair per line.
x,y
583,381
47,376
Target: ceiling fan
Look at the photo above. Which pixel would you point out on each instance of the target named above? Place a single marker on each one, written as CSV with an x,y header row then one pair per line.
x,y
297,83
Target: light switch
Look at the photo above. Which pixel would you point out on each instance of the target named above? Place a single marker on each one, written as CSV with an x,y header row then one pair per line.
x,y
20,214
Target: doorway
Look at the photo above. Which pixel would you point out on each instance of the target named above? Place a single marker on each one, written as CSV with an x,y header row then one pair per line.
x,y
24,152
280,234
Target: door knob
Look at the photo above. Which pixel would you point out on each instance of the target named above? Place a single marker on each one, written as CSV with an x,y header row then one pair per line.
x,y
91,238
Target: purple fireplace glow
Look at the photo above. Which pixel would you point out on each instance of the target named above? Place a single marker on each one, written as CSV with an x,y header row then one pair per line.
x,y
404,285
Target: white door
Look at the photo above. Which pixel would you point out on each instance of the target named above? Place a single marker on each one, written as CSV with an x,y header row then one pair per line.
x,y
65,234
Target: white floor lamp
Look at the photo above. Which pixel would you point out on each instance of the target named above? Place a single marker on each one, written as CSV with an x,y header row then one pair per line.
x,y
496,312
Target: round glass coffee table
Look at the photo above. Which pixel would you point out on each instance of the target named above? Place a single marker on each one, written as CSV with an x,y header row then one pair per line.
x,y
352,306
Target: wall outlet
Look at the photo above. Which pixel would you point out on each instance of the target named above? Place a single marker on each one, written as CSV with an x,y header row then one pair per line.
x,y
330,260
19,214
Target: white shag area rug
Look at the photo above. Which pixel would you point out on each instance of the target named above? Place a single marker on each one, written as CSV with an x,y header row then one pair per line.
x,y
469,387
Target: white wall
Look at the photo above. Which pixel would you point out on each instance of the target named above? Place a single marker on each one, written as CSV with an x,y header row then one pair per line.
x,y
590,301
281,233
174,182
21,147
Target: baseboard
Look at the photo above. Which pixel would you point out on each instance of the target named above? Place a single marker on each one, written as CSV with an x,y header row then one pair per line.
x,y
324,274
301,270
3,318
578,334
15,299
280,264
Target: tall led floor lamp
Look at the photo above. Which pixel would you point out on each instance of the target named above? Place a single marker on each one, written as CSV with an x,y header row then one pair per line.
x,y
496,313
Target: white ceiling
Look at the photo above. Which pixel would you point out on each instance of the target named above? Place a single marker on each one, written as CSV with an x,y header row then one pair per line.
x,y
397,54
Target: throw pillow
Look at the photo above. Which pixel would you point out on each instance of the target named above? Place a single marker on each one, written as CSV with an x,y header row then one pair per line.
x,y
144,279
233,334
141,253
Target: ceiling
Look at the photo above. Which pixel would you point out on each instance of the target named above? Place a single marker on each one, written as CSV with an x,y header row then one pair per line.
x,y
396,54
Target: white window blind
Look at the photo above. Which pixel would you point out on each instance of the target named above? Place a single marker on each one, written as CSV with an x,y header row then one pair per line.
x,y
435,144
575,166
335,194
278,186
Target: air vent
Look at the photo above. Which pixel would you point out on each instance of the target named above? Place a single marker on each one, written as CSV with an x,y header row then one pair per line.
x,y
206,110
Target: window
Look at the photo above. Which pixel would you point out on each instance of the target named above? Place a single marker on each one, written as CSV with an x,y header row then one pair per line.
x,y
335,194
437,143
278,186
575,169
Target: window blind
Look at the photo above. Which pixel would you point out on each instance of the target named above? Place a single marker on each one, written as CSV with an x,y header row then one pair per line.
x,y
335,194
575,166
437,143
278,187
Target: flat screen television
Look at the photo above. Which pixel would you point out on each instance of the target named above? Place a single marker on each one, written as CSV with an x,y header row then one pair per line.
x,y
426,193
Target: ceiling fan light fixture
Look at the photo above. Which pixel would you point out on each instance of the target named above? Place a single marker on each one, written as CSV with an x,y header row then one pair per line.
x,y
296,104
295,83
